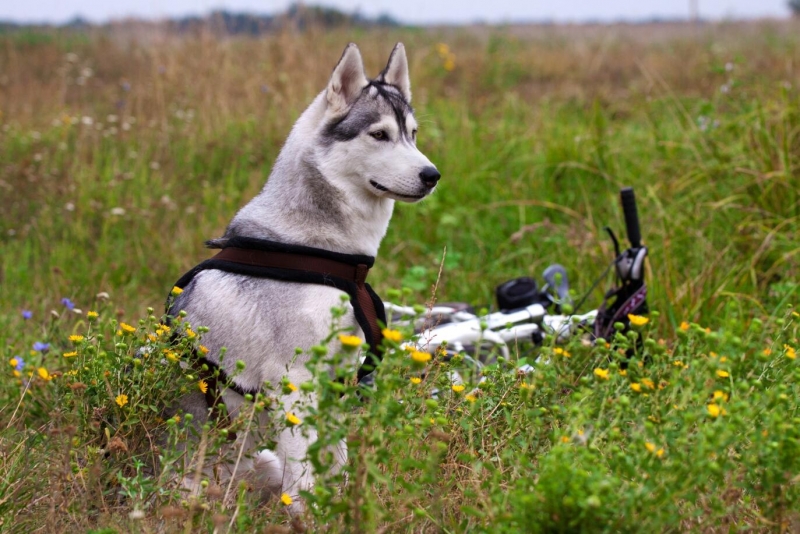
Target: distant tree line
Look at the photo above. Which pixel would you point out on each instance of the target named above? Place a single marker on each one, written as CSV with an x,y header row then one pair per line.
x,y
297,16
794,5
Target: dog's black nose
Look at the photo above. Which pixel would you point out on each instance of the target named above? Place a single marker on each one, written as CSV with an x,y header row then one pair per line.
x,y
429,176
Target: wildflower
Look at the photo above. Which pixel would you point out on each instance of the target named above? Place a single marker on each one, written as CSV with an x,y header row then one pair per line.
x,y
623,372
648,383
601,373
288,387
285,499
292,419
767,351
720,395
470,397
171,356
714,410
723,374
650,447
790,352
351,342
415,380
126,328
76,338
176,418
558,351
457,388
203,386
44,374
91,315
392,335
420,357
70,354
41,347
27,314
17,363
638,320
449,64
684,326
678,363
203,349
443,49
163,330
190,333
121,400
176,291
635,386
564,439
68,304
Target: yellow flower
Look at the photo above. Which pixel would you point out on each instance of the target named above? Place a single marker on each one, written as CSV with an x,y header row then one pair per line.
x,y
623,372
420,357
44,374
285,499
203,385
635,386
601,373
13,362
291,387
470,397
176,291
714,410
392,335
92,314
723,374
163,330
458,388
720,395
70,354
648,383
660,453
75,338
767,351
126,328
176,418
564,439
415,380
558,351
638,320
449,64
121,399
650,447
16,373
684,326
171,356
796,314
790,352
203,349
190,333
292,419
350,341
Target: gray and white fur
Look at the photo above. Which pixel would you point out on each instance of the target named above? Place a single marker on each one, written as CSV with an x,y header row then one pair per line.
x,y
350,155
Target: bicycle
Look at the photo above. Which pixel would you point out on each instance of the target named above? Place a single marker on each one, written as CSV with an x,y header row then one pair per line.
x,y
525,317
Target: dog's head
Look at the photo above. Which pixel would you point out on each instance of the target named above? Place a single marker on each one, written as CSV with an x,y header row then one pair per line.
x,y
368,138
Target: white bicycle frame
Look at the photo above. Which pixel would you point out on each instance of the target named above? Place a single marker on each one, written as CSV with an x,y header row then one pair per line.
x,y
502,329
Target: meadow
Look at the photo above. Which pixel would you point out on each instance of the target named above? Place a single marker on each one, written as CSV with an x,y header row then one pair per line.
x,y
121,153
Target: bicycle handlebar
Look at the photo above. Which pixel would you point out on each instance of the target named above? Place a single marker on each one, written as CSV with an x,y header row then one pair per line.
x,y
631,216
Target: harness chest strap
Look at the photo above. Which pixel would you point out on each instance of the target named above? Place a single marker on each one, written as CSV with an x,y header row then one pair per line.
x,y
292,263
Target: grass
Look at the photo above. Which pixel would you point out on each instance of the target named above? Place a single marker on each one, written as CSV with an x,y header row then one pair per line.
x,y
119,156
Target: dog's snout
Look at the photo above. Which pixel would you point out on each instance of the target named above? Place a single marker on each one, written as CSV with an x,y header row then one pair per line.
x,y
429,175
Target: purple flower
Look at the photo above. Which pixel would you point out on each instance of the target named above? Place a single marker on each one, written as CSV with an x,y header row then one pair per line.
x,y
27,314
20,363
41,347
68,303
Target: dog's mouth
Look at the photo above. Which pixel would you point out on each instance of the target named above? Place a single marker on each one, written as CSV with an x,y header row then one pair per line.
x,y
385,189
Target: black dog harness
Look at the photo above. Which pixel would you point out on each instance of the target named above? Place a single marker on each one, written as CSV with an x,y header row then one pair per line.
x,y
295,263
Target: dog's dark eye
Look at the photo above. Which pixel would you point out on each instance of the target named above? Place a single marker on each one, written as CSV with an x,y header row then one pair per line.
x,y
380,135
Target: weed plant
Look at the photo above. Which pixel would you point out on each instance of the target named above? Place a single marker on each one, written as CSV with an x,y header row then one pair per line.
x,y
120,154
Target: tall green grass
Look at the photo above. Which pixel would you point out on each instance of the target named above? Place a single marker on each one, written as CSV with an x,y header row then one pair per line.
x,y
120,155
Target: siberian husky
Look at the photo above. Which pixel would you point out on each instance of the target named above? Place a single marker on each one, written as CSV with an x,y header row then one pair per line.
x,y
348,158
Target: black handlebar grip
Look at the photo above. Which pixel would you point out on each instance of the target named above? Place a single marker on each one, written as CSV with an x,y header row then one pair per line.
x,y
631,216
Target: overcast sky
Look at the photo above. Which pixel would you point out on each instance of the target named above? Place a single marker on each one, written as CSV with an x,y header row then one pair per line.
x,y
413,11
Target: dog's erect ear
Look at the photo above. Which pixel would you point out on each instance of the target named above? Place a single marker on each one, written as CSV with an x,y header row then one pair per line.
x,y
396,71
347,81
